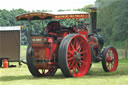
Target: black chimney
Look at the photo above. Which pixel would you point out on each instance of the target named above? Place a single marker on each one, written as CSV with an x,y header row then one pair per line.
x,y
93,16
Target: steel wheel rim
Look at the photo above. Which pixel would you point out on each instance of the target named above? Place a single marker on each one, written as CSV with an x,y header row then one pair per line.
x,y
111,59
77,57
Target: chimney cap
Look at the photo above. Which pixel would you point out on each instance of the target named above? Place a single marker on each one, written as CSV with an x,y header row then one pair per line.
x,y
93,9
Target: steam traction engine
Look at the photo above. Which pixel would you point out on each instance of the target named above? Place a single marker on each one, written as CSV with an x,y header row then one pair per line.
x,y
71,49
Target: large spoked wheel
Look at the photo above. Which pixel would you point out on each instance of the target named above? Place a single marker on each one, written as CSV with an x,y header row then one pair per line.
x,y
74,56
35,71
110,59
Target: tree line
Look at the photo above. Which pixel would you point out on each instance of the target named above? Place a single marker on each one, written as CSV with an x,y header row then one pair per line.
x,y
112,20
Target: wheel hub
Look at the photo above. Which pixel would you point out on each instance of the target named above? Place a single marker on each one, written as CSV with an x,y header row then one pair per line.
x,y
77,56
110,59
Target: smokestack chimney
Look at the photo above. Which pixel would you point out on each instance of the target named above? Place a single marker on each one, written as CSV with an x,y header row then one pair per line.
x,y
93,16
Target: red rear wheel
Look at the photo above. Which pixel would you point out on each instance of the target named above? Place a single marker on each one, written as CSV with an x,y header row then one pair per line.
x,y
74,56
110,59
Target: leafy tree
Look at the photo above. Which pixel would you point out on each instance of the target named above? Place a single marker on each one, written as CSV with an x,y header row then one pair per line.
x,y
113,19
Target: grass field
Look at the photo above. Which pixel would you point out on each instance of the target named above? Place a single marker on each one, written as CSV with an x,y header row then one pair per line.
x,y
96,76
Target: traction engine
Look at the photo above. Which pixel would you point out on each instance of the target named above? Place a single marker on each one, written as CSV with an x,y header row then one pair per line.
x,y
70,49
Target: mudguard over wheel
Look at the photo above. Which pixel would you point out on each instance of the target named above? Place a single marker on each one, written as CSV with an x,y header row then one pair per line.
x,y
32,68
74,56
110,59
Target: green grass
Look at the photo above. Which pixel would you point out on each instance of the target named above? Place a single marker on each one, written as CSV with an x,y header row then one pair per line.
x,y
96,76
23,52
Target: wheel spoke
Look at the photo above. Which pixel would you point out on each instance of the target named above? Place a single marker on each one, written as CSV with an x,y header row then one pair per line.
x,y
71,58
79,64
70,52
72,64
74,70
75,43
82,62
79,49
78,46
109,53
78,67
72,46
82,57
108,65
112,54
75,66
83,52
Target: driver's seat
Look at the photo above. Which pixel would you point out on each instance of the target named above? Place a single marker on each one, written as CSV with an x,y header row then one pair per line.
x,y
53,26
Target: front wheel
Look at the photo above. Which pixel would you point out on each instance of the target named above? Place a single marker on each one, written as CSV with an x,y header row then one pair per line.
x,y
74,56
109,59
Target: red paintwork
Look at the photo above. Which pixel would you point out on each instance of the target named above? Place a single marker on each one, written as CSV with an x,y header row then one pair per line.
x,y
50,50
78,45
51,33
84,32
50,39
78,55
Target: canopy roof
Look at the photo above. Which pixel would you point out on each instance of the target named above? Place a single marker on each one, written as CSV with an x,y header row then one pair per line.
x,y
57,15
